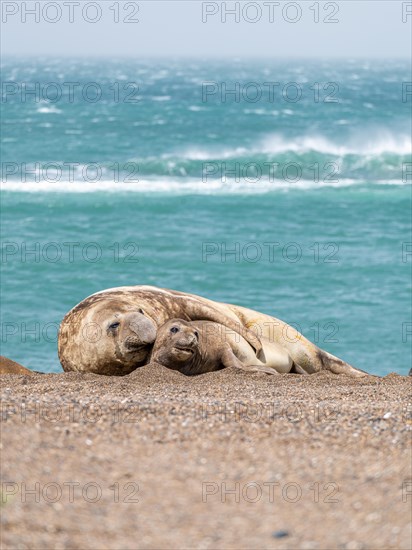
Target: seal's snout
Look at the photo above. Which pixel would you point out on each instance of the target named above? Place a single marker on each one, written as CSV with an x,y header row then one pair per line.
x,y
186,339
142,327
193,339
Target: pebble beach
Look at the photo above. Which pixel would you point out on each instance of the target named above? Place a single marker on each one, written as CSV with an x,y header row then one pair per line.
x,y
228,459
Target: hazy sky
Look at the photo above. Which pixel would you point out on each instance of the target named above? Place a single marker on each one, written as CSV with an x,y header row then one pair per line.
x,y
370,28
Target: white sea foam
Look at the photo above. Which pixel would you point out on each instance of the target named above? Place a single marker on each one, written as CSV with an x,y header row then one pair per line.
x,y
383,142
49,110
160,98
202,154
377,144
183,186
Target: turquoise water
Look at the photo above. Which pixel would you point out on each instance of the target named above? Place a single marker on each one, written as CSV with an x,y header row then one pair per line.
x,y
322,243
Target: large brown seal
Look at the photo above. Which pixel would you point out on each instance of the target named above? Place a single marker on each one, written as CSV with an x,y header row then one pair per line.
x,y
113,331
197,347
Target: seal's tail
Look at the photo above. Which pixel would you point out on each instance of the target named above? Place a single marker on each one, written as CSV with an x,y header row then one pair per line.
x,y
337,366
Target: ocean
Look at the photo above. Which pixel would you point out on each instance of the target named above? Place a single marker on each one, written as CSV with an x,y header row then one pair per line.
x,y
284,186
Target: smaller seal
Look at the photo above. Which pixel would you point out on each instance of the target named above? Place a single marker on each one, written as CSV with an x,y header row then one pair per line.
x,y
197,347
7,366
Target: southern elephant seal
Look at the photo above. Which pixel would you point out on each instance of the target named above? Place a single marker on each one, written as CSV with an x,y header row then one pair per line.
x,y
197,347
112,332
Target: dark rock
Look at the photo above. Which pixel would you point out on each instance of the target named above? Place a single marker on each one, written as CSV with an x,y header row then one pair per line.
x,y
280,534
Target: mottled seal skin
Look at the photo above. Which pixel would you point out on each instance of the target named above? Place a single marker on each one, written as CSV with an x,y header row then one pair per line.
x,y
8,366
105,336
197,347
112,332
88,342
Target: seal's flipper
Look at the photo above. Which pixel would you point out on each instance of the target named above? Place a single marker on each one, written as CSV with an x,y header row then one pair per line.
x,y
262,369
198,311
229,359
296,369
337,366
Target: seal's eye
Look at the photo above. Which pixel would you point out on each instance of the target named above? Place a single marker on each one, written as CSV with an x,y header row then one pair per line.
x,y
196,334
141,311
173,330
114,325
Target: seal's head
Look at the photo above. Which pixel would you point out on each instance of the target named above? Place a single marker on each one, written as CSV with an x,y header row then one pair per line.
x,y
106,336
177,344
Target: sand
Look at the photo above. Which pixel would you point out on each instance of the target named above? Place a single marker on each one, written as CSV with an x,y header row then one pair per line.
x,y
222,460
